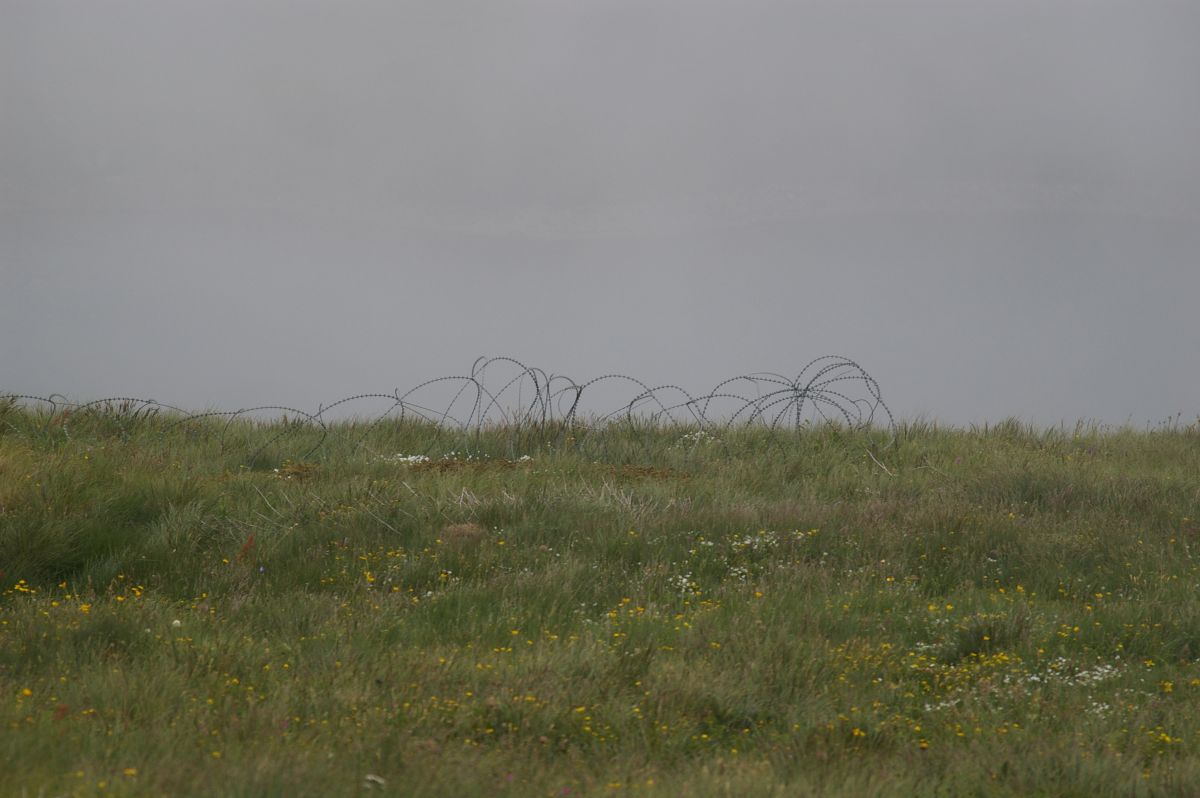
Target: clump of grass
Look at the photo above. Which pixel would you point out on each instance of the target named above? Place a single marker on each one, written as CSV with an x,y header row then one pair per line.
x,y
638,609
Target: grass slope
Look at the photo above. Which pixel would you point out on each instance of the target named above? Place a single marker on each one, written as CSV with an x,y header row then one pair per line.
x,y
186,611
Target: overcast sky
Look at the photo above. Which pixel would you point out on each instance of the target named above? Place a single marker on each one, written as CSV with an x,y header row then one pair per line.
x,y
992,205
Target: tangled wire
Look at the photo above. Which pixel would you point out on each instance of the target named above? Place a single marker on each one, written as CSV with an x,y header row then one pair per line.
x,y
504,392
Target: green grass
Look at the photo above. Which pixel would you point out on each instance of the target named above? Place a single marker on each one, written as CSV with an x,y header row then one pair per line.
x,y
186,611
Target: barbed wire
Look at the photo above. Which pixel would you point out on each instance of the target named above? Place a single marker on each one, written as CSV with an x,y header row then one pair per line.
x,y
533,404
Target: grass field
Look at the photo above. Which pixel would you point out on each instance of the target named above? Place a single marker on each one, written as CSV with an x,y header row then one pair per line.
x,y
201,610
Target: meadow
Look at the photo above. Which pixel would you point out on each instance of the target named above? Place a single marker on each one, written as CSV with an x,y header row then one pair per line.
x,y
230,609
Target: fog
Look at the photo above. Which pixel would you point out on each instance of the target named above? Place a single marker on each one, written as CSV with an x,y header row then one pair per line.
x,y
992,206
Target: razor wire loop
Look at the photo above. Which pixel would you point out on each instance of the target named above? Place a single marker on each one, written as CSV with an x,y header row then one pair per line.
x,y
831,388
119,408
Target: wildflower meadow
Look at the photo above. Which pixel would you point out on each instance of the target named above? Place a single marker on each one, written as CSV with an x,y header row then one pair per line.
x,y
219,609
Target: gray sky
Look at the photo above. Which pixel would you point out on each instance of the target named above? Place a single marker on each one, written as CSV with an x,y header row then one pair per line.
x,y
992,205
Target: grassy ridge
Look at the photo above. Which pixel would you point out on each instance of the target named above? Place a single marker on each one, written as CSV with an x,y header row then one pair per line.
x,y
186,611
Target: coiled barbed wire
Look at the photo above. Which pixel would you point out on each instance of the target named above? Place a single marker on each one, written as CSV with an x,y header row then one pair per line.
x,y
829,389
